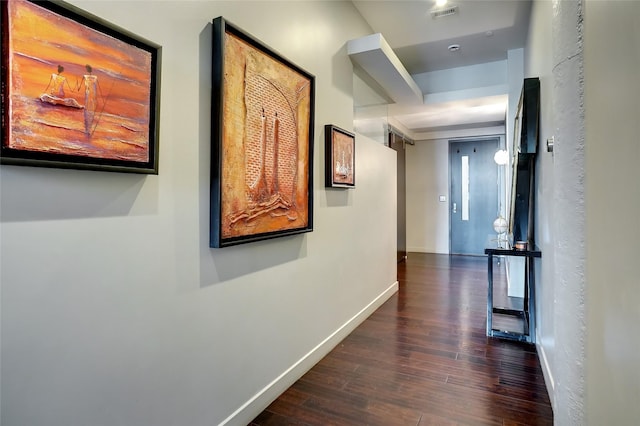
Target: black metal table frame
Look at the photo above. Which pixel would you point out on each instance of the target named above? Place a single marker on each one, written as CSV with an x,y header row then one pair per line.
x,y
528,311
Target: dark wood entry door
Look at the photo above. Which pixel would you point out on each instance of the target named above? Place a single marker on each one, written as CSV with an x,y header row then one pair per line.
x,y
397,144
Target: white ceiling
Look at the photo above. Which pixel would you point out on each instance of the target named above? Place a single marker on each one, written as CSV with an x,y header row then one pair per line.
x,y
485,30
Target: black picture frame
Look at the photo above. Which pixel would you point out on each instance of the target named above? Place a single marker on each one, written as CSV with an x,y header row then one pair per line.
x,y
340,157
77,91
262,130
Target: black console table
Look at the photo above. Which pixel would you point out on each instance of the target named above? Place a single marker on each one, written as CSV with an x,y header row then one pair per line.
x,y
527,314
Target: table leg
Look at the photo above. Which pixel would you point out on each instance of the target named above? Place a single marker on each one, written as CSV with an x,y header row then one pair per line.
x,y
532,299
490,297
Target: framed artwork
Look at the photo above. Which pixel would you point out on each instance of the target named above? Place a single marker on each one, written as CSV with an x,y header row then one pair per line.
x,y
77,92
340,157
262,141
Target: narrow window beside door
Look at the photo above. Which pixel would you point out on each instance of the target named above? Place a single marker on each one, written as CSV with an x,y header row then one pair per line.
x,y
465,187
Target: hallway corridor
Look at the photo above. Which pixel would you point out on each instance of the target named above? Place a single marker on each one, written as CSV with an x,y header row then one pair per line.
x,y
422,359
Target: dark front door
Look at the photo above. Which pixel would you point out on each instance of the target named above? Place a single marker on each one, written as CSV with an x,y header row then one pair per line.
x,y
397,143
473,194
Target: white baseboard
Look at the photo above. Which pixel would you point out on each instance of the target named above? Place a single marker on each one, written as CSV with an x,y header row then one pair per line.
x,y
254,406
417,249
425,250
546,372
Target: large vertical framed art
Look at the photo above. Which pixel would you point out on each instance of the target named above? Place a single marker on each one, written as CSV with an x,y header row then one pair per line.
x,y
77,91
262,141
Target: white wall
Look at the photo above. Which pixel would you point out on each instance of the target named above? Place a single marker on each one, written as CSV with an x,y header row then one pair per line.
x,y
427,171
612,116
114,308
468,82
588,207
557,28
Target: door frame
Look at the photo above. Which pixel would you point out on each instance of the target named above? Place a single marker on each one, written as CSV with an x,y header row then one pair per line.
x,y
400,143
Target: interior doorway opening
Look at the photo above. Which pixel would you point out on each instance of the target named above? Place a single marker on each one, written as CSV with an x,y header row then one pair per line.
x,y
398,142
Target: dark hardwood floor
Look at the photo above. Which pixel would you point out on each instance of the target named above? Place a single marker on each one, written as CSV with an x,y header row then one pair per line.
x,y
422,359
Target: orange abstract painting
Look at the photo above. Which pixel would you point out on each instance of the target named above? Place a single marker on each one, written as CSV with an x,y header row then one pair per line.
x,y
80,93
263,133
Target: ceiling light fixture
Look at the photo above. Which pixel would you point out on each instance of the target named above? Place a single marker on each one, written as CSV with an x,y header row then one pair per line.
x,y
501,157
440,3
454,48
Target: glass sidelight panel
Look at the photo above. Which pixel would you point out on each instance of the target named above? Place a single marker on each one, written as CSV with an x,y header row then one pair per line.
x,y
465,187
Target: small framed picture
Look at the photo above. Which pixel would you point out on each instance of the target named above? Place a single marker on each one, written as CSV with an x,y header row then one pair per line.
x,y
77,91
340,157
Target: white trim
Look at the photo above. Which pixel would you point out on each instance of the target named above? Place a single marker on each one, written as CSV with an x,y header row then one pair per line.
x,y
254,406
421,249
463,133
465,94
377,58
546,372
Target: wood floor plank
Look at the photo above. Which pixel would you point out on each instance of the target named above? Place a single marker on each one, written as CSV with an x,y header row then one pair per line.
x,y
423,358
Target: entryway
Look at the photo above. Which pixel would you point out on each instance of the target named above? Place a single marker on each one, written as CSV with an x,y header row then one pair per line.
x,y
473,194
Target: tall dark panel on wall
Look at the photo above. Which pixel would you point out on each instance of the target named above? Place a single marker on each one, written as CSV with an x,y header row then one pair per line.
x,y
530,114
525,145
523,207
